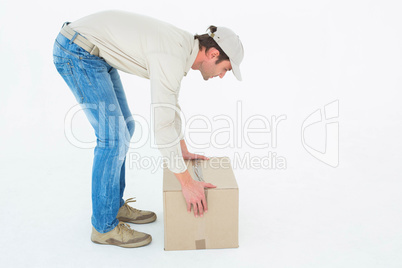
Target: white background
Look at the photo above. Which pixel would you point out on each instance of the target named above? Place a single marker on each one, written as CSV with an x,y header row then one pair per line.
x,y
299,56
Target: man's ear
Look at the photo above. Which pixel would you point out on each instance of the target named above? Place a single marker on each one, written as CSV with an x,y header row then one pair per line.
x,y
212,53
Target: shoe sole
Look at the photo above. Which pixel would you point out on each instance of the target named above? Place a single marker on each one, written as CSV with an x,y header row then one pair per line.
x,y
136,245
138,221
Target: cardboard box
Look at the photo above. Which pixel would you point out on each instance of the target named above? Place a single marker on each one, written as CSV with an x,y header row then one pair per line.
x,y
218,228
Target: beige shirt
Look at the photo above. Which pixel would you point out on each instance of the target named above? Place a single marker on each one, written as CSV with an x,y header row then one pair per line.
x,y
152,49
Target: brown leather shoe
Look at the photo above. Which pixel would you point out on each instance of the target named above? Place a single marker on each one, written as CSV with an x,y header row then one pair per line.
x,y
133,215
123,236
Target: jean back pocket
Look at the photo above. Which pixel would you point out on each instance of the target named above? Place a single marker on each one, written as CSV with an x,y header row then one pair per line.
x,y
63,65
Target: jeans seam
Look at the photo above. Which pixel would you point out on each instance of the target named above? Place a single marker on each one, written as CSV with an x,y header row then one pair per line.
x,y
66,51
85,72
77,85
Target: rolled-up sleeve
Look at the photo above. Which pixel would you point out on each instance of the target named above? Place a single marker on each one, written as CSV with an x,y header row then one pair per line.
x,y
165,73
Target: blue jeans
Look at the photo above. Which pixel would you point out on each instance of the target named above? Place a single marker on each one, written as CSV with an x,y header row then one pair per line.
x,y
98,89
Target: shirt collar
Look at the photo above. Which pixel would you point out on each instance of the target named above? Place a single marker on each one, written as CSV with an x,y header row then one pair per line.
x,y
193,55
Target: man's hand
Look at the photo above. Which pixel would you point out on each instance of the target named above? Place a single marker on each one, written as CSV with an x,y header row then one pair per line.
x,y
193,192
187,155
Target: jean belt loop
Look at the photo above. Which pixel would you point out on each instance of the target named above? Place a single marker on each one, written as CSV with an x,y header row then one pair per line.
x,y
72,39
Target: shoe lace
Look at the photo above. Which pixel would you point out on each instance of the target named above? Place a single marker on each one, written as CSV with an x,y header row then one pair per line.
x,y
130,200
124,227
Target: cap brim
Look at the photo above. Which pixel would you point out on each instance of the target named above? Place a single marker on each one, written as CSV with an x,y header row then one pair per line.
x,y
236,70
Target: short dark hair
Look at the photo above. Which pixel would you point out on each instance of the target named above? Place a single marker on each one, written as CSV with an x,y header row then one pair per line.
x,y
208,42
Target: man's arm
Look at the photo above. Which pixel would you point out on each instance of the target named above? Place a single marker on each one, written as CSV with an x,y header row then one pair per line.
x,y
165,77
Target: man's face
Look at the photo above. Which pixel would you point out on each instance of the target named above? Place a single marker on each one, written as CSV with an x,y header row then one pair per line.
x,y
209,68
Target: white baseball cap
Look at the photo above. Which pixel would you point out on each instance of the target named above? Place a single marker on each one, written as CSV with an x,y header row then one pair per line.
x,y
230,43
